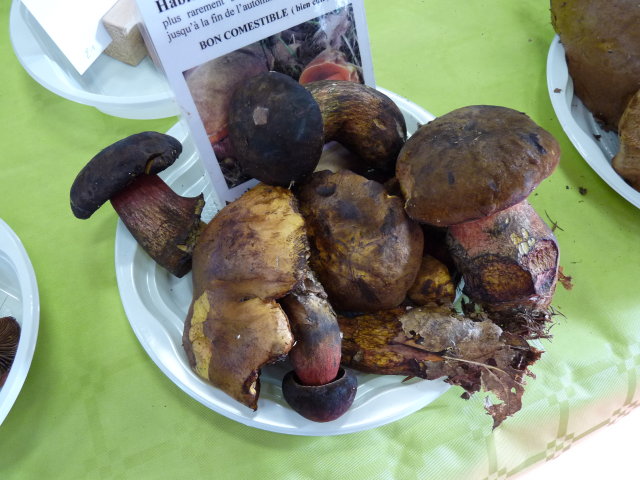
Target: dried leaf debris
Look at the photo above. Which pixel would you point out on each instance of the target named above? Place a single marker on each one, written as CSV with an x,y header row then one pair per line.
x,y
432,342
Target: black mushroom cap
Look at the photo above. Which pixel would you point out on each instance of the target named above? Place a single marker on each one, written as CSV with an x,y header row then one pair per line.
x,y
473,162
321,403
117,165
276,130
9,338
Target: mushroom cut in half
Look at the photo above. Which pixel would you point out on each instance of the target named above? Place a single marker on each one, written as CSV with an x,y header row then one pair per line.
x,y
472,170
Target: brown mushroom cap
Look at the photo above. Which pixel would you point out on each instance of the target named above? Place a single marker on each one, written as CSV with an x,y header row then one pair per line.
x,y
472,162
117,165
627,160
601,39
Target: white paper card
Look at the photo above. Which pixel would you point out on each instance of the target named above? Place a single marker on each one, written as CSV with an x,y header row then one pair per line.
x,y
206,47
75,26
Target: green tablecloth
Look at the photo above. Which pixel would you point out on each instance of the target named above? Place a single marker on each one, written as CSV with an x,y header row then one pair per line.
x,y
95,406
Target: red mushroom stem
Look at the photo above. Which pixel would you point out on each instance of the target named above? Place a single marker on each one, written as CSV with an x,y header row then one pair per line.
x,y
317,387
165,224
508,259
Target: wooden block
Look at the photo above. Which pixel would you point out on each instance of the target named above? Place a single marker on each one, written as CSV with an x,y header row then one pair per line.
x,y
122,21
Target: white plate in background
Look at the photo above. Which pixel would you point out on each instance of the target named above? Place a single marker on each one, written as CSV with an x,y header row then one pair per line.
x,y
156,304
111,86
596,145
19,299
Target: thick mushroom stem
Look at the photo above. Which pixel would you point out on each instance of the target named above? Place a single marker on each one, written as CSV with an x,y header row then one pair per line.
x,y
165,224
316,354
317,388
362,119
508,259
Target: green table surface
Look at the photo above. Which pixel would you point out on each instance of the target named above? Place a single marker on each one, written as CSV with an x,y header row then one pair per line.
x,y
95,406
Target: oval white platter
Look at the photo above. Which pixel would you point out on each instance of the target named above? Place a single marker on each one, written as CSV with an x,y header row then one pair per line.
x,y
156,305
595,145
19,299
111,86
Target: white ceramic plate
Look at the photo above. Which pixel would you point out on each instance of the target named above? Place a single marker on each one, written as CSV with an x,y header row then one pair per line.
x,y
111,86
156,304
596,145
19,299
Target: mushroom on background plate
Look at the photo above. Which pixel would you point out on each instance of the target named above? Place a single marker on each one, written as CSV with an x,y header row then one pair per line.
x,y
627,160
9,338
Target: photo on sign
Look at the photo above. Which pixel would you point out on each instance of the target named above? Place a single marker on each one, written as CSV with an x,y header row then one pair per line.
x,y
325,47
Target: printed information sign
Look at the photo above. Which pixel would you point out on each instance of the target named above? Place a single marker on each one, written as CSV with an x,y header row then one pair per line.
x,y
207,47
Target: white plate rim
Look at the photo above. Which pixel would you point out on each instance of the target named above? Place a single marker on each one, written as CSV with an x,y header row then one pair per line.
x,y
560,86
142,323
29,317
124,106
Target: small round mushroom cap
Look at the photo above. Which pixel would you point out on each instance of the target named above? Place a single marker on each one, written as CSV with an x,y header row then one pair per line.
x,y
116,166
276,129
473,162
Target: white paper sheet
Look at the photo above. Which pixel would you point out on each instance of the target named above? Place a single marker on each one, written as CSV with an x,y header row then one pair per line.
x,y
75,26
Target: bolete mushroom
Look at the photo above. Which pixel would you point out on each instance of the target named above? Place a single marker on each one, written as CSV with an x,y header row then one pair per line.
x,y
254,296
164,223
433,283
252,253
509,260
9,339
317,387
363,120
627,160
601,40
316,354
365,250
275,128
321,403
464,170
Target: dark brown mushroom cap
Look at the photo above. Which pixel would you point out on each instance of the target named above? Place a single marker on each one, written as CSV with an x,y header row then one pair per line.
x,y
116,166
276,130
363,120
472,162
601,40
9,338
